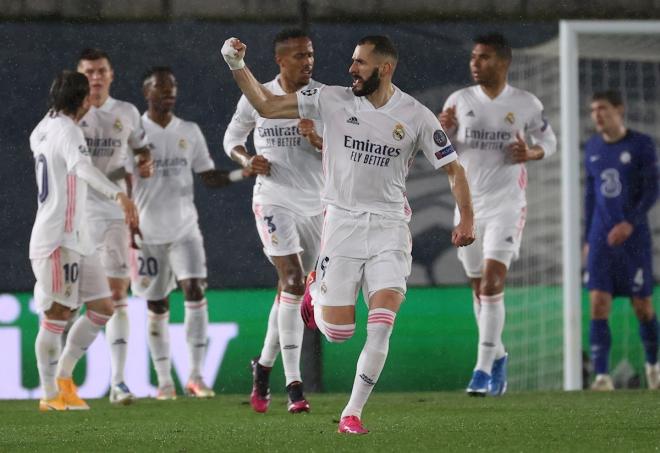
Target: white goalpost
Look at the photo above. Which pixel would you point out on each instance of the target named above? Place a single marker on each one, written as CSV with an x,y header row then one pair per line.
x,y
587,56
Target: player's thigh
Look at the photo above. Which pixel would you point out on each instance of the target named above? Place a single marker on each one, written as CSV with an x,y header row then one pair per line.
x,y
472,256
187,257
277,230
112,239
604,269
58,279
338,280
93,282
309,231
503,234
151,274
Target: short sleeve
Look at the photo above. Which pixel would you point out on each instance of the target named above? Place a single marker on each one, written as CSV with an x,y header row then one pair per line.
x,y
433,141
243,121
201,159
310,103
540,131
451,101
138,136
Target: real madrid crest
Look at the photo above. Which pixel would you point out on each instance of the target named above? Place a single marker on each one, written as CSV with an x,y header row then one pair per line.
x,y
145,282
398,133
273,239
183,144
510,118
118,126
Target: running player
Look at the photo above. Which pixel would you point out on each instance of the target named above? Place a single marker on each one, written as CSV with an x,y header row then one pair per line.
x,y
621,187
172,247
287,209
67,268
372,131
490,123
111,128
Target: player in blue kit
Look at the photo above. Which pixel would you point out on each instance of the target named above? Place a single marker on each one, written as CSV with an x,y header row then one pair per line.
x,y
621,187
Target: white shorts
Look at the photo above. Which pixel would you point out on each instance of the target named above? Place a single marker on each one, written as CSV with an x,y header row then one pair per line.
x,y
498,238
284,232
361,250
112,239
69,279
155,268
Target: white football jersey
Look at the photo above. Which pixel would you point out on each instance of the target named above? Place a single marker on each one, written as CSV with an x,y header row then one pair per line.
x,y
58,145
296,177
486,127
166,199
111,132
367,152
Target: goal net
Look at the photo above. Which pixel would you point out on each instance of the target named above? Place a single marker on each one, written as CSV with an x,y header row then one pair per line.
x,y
534,333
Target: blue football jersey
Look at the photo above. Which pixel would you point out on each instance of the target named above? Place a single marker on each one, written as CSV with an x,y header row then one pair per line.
x,y
621,184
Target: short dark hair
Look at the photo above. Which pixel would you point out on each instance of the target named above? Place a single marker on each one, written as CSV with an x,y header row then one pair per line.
x,y
286,34
612,96
383,45
152,71
498,42
92,54
68,92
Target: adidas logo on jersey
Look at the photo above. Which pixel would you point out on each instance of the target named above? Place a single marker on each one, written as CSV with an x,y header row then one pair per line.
x,y
353,120
470,113
509,240
83,123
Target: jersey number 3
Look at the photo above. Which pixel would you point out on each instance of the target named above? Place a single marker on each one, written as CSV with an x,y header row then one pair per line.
x,y
611,186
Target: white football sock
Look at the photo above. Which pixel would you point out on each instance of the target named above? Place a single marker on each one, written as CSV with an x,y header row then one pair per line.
x,y
158,328
196,324
81,336
476,306
372,359
491,324
116,332
291,329
48,347
272,341
334,333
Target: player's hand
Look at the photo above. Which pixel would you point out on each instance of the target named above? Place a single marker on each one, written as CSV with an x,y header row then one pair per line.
x,y
448,119
518,150
145,166
307,130
135,232
463,234
258,165
130,210
233,52
585,254
619,233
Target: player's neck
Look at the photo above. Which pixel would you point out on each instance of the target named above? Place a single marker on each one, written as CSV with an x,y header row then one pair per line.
x,y
97,100
160,118
383,94
493,89
615,134
289,86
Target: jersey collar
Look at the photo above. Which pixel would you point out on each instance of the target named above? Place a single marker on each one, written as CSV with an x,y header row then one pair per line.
x,y
484,96
171,125
364,104
108,104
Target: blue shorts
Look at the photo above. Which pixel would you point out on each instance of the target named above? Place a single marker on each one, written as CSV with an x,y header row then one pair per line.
x,y
626,270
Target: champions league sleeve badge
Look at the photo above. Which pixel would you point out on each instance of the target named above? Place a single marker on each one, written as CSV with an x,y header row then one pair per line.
x,y
440,138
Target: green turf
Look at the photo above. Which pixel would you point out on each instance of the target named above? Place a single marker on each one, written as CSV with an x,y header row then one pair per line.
x,y
402,422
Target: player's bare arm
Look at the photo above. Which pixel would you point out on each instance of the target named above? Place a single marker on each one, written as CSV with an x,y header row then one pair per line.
x,y
463,233
307,130
265,103
520,152
256,165
448,120
222,178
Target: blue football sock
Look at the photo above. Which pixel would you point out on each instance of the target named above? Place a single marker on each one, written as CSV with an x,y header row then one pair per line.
x,y
600,340
648,331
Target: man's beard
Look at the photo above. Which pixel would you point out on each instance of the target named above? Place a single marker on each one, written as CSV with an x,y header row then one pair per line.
x,y
368,86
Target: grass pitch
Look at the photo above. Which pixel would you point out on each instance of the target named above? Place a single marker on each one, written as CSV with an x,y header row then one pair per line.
x,y
401,422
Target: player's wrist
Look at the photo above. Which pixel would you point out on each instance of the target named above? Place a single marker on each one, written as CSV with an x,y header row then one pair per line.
x,y
232,56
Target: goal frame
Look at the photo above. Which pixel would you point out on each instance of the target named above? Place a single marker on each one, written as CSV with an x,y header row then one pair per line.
x,y
569,35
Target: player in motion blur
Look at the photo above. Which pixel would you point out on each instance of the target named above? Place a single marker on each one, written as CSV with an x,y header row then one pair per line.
x,y
621,187
287,209
372,131
114,134
172,247
64,260
490,123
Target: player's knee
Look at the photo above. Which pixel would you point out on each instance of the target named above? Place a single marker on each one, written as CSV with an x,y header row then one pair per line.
x,y
294,281
643,309
158,307
105,307
118,292
491,286
193,289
